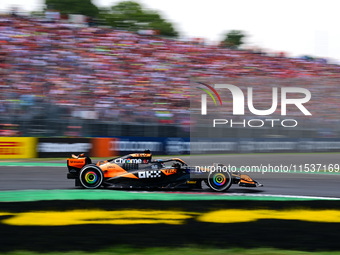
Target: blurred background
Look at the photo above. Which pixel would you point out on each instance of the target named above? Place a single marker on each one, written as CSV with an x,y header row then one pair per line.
x,y
111,77
75,69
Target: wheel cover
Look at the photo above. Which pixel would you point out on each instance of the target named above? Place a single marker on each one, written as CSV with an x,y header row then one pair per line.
x,y
219,181
91,177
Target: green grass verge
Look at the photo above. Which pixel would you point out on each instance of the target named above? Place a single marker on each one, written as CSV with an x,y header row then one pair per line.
x,y
182,251
83,194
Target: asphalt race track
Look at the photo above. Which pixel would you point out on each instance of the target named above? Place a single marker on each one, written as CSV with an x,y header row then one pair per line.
x,y
299,181
50,214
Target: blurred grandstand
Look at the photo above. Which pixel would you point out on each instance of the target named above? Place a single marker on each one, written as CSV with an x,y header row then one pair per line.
x,y
59,80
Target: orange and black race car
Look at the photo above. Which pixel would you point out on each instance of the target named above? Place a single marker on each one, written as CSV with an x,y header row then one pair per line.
x,y
138,170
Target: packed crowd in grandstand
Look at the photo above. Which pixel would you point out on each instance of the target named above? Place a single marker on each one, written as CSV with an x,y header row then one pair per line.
x,y
103,73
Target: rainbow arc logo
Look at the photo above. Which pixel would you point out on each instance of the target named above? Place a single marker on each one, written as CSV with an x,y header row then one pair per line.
x,y
204,97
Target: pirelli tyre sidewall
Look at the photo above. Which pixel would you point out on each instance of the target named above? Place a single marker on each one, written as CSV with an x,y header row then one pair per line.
x,y
219,181
91,176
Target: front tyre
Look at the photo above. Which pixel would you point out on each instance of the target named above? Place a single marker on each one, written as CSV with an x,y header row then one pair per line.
x,y
219,181
91,177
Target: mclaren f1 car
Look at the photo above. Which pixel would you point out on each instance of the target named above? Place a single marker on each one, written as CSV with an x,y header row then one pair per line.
x,y
138,170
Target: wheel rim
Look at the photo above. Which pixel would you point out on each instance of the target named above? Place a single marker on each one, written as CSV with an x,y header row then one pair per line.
x,y
91,177
219,181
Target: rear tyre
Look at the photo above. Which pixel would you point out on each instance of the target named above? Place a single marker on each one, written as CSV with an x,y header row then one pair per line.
x,y
91,177
219,181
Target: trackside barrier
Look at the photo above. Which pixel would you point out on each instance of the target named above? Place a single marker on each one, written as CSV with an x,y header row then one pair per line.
x,y
31,147
104,147
62,147
18,147
157,145
181,146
